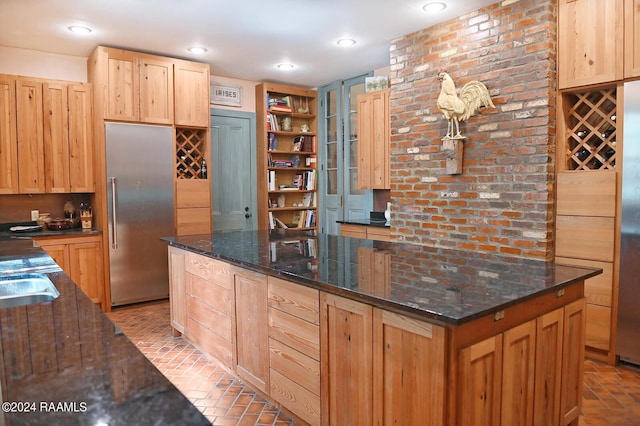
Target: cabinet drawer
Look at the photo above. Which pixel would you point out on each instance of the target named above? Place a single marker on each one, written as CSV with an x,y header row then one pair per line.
x,y
213,319
209,342
585,237
598,289
211,294
192,193
584,193
294,299
295,365
295,398
193,221
212,270
295,332
380,234
353,231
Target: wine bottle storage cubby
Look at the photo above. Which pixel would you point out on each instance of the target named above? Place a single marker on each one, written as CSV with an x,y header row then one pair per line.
x,y
591,130
190,151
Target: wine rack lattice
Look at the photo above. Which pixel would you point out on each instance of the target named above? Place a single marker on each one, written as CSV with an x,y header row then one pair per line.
x,y
190,150
591,130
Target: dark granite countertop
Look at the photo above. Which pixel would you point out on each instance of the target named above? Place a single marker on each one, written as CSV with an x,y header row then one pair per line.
x,y
6,234
65,363
445,285
381,223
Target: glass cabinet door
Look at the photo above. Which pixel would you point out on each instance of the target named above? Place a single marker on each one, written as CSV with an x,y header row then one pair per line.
x,y
340,197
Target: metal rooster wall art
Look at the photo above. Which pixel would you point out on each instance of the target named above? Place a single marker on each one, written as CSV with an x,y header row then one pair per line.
x,y
456,108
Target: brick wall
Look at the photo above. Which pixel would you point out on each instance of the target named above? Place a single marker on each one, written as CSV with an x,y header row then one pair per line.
x,y
502,203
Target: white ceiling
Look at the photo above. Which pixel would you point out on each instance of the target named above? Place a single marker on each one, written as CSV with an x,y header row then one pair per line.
x,y
245,38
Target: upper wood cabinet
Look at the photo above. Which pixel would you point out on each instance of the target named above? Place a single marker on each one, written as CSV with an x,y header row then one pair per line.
x,y
632,38
45,136
134,86
374,131
30,136
590,41
191,94
8,146
144,88
56,137
81,177
156,90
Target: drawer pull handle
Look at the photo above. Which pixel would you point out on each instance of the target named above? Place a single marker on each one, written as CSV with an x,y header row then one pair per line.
x,y
560,292
498,316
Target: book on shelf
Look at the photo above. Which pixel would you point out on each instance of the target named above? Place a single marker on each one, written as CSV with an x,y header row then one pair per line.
x,y
308,199
272,221
281,163
272,122
298,141
307,219
288,187
271,178
273,142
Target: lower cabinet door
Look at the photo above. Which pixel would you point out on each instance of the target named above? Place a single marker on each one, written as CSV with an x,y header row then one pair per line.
x,y
408,371
480,383
346,336
252,333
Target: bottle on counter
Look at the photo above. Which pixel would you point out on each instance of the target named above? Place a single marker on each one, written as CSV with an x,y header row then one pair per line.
x,y
203,169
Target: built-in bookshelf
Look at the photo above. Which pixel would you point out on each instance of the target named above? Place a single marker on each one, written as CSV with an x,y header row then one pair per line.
x,y
287,157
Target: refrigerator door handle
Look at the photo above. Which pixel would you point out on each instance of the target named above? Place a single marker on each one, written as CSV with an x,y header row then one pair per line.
x,y
114,219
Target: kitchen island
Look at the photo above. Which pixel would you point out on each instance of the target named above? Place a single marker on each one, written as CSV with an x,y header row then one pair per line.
x,y
65,363
342,330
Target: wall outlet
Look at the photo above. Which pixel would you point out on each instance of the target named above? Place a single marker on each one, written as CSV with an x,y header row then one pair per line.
x,y
34,214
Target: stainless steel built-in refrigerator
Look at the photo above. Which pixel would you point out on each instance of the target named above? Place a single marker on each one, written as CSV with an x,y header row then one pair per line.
x,y
140,210
628,340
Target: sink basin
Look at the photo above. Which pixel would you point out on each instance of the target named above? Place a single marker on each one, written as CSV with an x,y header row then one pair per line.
x,y
26,289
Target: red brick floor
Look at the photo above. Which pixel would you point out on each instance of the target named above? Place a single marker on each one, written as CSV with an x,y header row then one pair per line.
x,y
611,394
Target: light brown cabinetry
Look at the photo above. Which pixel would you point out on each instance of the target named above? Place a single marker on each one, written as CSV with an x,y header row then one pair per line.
x,y
530,374
346,334
379,367
590,42
56,137
294,348
586,236
177,289
374,132
193,206
8,145
366,232
47,141
138,87
252,338
30,134
80,102
631,38
81,259
408,370
210,307
191,93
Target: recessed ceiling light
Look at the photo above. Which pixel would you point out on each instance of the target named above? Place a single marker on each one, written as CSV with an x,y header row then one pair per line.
x,y
79,29
435,6
285,67
346,42
197,50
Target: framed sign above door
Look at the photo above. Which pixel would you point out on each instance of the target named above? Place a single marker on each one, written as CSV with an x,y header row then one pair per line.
x,y
226,94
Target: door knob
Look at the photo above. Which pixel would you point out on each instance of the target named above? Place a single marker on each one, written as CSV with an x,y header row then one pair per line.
x,y
247,214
